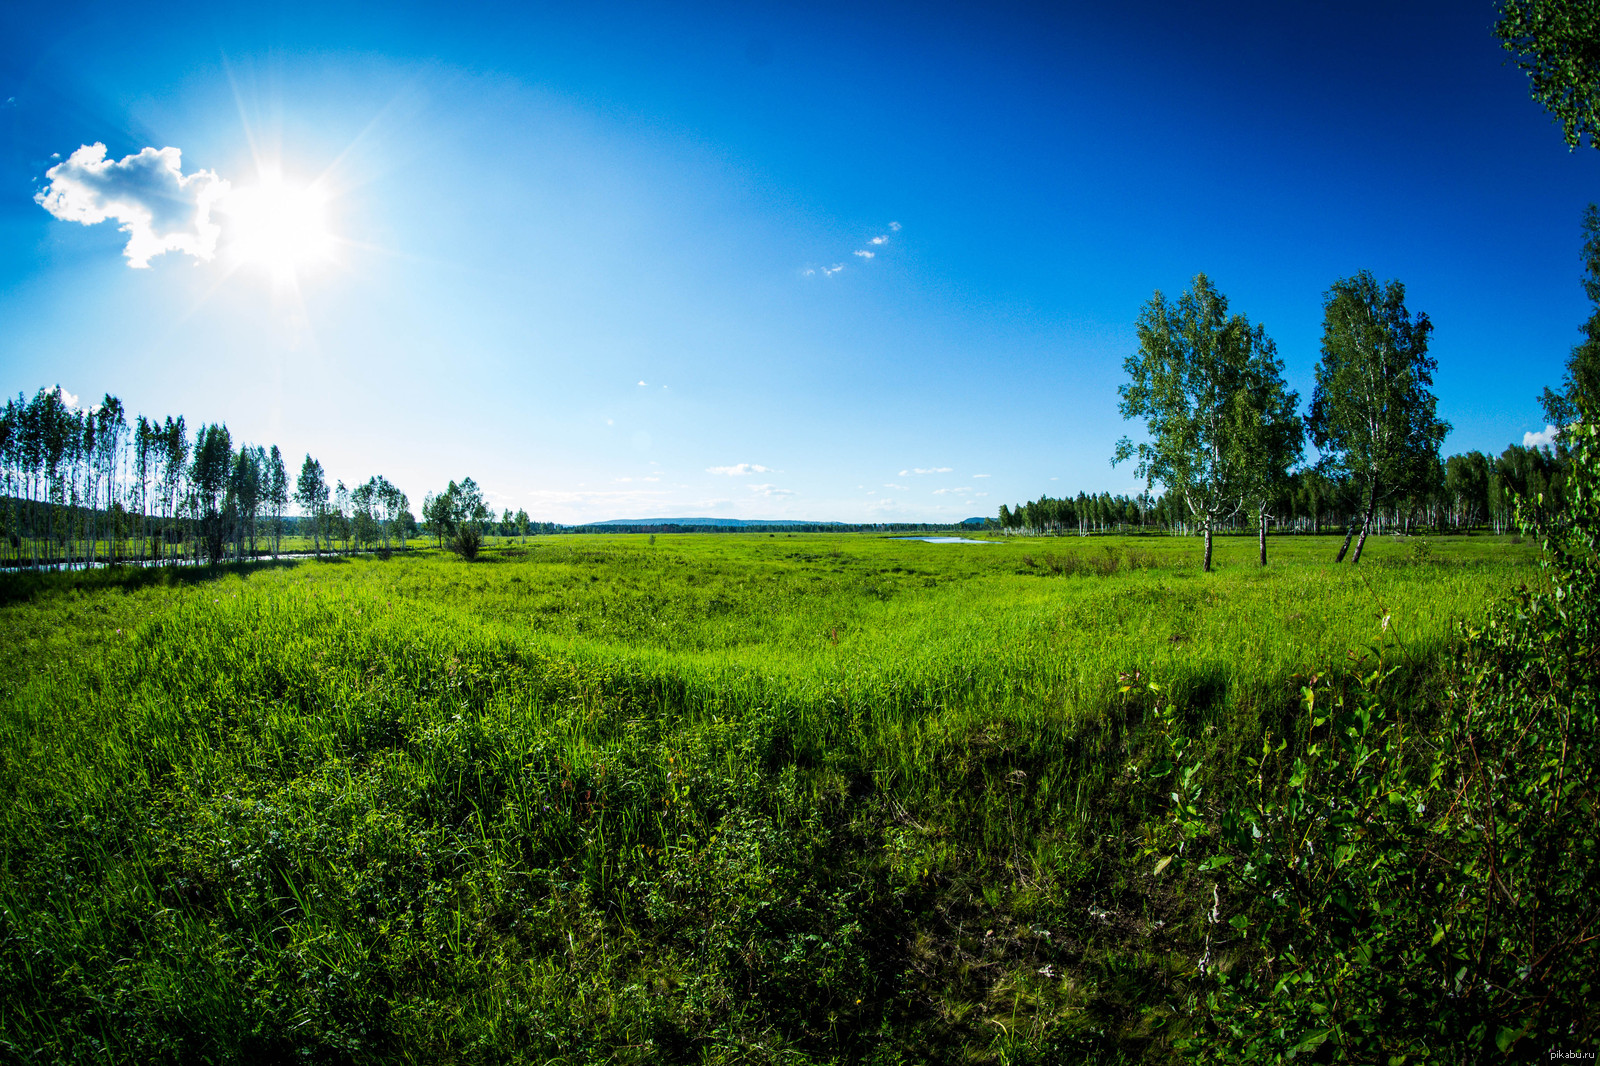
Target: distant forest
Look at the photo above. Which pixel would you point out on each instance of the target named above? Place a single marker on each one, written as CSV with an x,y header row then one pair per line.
x,y
1466,492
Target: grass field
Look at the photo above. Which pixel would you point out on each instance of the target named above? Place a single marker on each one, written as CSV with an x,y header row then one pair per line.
x,y
732,798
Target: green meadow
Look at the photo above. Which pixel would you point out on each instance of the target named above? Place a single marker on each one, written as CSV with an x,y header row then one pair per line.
x,y
688,798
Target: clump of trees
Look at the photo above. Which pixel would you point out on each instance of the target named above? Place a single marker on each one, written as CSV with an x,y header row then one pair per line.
x,y
77,488
1209,387
457,517
1224,431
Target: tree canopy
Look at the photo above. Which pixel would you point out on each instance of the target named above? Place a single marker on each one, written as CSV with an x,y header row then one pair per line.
x,y
1557,43
1185,381
1373,417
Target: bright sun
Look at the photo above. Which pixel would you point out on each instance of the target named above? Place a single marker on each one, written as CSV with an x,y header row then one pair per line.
x,y
280,227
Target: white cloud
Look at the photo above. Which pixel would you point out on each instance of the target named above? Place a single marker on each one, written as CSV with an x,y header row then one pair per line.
x,y
959,490
739,469
769,490
641,384
862,253
897,488
975,476
157,206
1542,439
66,397
925,470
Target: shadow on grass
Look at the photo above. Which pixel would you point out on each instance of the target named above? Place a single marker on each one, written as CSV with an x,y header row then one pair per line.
x,y
22,586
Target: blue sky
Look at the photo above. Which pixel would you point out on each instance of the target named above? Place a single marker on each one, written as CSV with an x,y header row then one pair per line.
x,y
585,253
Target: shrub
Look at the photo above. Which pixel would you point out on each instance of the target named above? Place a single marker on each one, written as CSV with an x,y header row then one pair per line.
x,y
1396,889
467,542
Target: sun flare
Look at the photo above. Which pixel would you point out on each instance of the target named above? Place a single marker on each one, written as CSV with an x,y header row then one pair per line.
x,y
280,227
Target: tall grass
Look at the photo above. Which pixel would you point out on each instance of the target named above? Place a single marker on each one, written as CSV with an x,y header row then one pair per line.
x,y
744,798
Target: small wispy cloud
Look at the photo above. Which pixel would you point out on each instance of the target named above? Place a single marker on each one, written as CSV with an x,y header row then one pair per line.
x,y
897,488
981,475
641,384
739,469
1543,439
925,470
866,253
159,207
770,490
959,490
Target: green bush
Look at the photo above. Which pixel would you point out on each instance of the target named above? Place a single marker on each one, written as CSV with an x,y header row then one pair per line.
x,y
1391,890
467,542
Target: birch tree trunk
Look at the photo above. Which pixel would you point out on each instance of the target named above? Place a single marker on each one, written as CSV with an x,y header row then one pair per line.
x,y
1345,547
1361,542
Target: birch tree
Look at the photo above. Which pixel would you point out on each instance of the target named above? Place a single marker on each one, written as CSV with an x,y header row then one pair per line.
x,y
209,473
1373,417
1267,434
277,495
311,493
1192,362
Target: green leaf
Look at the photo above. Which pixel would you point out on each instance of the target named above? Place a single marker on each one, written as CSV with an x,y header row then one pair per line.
x,y
1313,1040
1505,1038
1162,865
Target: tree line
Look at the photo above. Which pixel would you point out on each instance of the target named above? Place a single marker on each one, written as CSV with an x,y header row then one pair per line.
x,y
81,486
1466,492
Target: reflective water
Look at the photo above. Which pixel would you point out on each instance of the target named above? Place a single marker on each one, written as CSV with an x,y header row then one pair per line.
x,y
946,540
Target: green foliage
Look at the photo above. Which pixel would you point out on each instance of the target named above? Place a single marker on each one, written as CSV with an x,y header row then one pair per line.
x,y
1580,391
1397,887
1372,416
1557,44
1203,382
467,542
